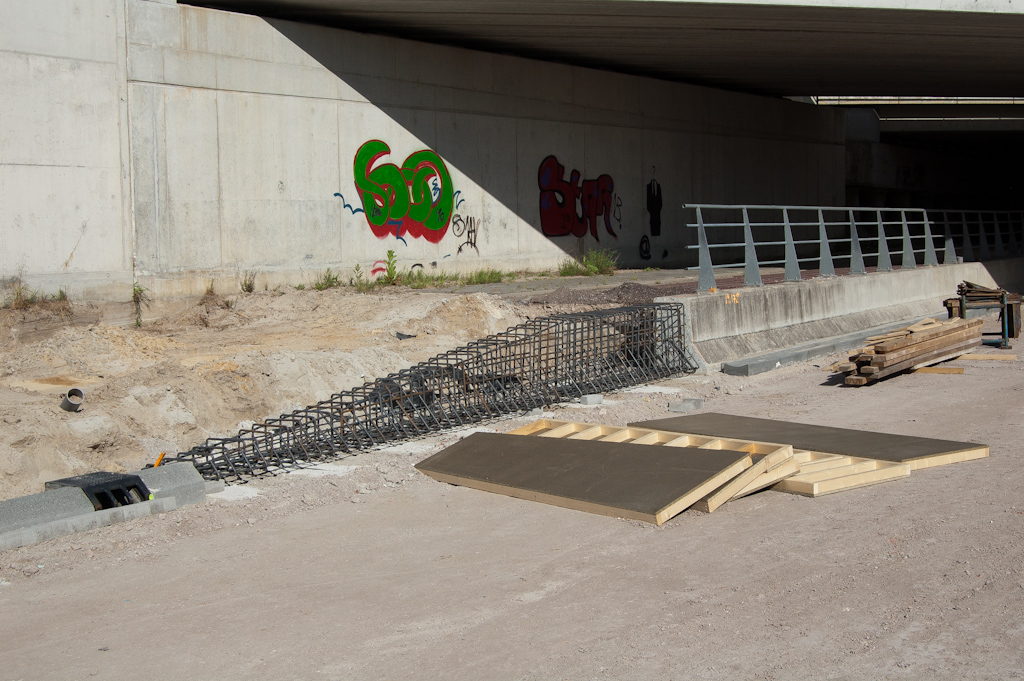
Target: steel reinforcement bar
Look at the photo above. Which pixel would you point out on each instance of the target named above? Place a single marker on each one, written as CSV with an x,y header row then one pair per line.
x,y
543,361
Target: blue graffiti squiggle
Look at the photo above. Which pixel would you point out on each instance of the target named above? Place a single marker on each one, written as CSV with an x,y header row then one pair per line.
x,y
346,204
458,201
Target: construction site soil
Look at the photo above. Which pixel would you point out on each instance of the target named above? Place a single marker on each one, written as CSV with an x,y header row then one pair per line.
x,y
368,569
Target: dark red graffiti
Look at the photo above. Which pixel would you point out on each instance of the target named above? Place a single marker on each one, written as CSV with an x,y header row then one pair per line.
x,y
568,207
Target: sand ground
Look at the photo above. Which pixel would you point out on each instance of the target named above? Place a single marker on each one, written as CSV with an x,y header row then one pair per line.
x,y
371,570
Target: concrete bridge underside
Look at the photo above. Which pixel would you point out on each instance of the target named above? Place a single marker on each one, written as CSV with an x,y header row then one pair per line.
x,y
788,48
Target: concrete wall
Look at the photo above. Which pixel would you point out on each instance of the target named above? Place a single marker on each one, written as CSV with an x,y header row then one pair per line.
x,y
208,143
732,324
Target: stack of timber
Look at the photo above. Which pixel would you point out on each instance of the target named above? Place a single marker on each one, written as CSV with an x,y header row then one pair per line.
x,y
975,296
919,345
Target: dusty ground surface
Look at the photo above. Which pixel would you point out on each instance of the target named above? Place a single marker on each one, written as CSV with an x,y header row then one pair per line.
x,y
372,570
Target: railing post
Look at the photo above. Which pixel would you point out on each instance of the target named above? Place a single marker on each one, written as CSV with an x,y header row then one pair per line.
x,y
949,248
751,268
986,252
909,260
884,261
706,281
825,267
1000,250
966,232
792,264
856,255
929,246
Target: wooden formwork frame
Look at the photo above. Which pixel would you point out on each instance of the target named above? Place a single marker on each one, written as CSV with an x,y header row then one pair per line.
x,y
775,465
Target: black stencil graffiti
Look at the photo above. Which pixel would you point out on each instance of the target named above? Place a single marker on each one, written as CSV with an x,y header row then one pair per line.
x,y
645,248
654,206
466,226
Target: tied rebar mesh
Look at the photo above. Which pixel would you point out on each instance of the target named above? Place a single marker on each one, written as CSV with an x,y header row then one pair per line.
x,y
540,362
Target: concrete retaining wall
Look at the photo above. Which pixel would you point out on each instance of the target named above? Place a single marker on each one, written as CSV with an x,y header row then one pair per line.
x,y
194,144
728,325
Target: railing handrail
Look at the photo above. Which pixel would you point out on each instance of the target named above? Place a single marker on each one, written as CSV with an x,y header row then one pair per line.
x,y
988,223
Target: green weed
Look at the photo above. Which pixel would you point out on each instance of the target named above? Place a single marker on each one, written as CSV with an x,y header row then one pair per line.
x,y
326,279
599,261
249,280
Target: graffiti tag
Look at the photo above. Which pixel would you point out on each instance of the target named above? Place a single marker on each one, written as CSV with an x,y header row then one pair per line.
x,y
568,207
466,226
415,199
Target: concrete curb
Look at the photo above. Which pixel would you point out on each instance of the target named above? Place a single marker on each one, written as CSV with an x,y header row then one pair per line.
x,y
81,523
758,364
67,510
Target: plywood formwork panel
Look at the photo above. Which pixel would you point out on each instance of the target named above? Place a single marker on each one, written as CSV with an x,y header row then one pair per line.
x,y
651,484
915,452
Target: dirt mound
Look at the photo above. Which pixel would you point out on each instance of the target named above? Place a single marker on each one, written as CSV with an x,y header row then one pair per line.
x,y
625,294
211,367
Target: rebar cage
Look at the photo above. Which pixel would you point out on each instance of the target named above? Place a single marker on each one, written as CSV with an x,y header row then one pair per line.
x,y
540,362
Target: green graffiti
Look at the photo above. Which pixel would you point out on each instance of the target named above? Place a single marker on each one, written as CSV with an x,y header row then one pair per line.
x,y
416,199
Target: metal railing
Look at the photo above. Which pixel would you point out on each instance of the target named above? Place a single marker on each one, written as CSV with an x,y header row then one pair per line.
x,y
799,237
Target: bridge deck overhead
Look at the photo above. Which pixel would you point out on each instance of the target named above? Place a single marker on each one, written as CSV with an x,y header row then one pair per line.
x,y
808,47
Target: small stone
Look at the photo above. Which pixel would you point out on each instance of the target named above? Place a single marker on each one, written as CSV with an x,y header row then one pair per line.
x,y
251,521
591,399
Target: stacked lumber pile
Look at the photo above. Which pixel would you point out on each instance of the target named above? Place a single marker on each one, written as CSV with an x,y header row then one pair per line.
x,y
977,296
976,293
919,345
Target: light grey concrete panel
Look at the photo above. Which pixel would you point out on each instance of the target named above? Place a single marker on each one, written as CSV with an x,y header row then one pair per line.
x,y
192,69
61,28
277,149
225,33
155,24
246,75
145,63
60,219
445,66
394,93
295,234
54,504
481,153
58,112
342,52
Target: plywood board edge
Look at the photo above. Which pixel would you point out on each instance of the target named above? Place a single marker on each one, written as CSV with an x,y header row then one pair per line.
x,y
550,499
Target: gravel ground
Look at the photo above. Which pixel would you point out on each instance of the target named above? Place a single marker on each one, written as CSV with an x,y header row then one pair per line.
x,y
371,570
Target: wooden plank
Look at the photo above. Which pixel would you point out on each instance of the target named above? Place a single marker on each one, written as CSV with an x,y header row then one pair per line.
x,y
918,361
745,479
939,370
1008,358
859,474
927,335
777,474
645,483
947,340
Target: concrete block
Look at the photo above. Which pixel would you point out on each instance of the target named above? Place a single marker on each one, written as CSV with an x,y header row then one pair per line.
x,y
215,486
683,406
82,523
179,480
591,399
54,504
